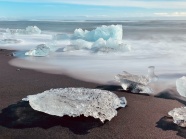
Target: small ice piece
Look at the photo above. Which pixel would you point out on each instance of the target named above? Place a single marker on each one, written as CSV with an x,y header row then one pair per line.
x,y
181,86
137,83
40,50
105,32
74,102
134,83
151,75
179,116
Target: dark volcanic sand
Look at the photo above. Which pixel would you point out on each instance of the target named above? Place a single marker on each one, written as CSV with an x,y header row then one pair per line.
x,y
144,117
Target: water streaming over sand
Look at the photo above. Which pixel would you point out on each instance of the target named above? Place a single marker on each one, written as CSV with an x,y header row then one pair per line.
x,y
153,43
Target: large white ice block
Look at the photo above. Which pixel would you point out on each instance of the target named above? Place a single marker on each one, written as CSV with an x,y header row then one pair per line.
x,y
74,102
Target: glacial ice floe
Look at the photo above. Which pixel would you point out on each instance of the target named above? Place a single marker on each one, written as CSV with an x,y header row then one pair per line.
x,y
28,31
74,102
102,39
137,83
179,116
181,86
104,32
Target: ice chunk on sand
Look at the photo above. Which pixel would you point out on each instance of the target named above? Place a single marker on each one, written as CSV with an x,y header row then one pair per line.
x,y
181,86
40,50
137,83
74,102
29,30
179,116
105,32
134,83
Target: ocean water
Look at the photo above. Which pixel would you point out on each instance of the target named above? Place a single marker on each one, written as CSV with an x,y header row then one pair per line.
x,y
153,43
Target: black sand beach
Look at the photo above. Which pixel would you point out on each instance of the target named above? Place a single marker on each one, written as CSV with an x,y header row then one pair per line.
x,y
145,117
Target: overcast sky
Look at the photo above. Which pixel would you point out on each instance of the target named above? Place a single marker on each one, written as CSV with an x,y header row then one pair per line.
x,y
92,9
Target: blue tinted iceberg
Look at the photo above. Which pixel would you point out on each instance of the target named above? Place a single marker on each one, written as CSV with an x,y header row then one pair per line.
x,y
104,32
104,39
74,102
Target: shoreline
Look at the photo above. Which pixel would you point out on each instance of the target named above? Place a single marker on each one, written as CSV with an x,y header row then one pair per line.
x,y
144,116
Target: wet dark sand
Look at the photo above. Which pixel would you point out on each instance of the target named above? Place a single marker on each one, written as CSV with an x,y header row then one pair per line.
x,y
145,117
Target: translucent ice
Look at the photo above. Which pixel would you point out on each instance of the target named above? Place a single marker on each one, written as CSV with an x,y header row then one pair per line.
x,y
105,32
40,50
181,86
179,116
74,102
151,75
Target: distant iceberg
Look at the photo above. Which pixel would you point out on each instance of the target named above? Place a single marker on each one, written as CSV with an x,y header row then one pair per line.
x,y
28,31
9,41
74,102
